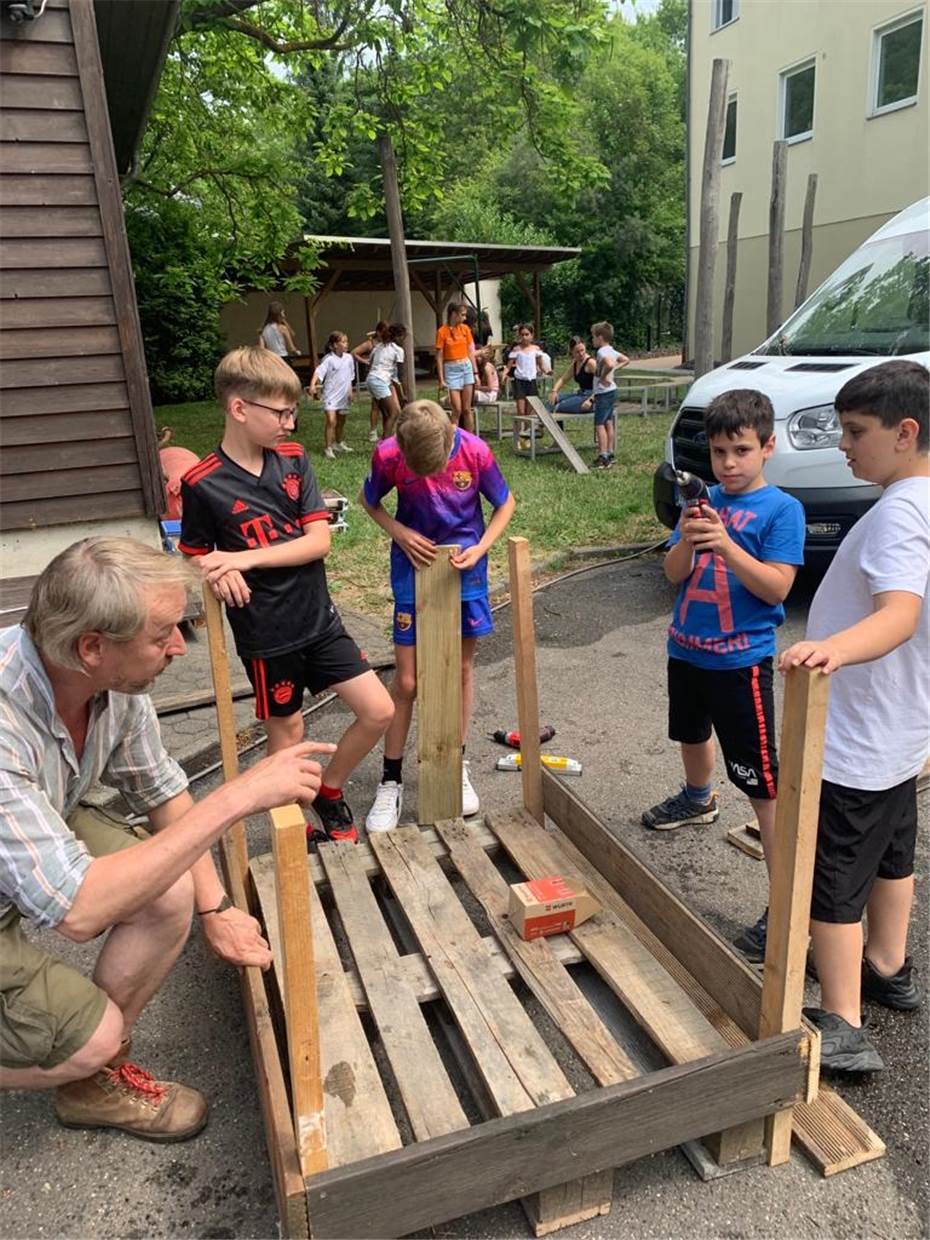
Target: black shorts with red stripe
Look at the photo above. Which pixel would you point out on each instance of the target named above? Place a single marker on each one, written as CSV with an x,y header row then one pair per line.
x,y
280,680
738,704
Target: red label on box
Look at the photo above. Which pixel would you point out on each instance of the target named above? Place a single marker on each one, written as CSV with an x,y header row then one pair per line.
x,y
554,888
551,923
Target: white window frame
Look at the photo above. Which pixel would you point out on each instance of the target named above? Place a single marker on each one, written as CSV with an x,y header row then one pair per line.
x,y
809,62
716,23
878,34
732,97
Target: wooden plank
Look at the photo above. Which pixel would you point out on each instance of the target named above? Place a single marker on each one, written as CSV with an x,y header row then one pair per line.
x,y
439,689
89,481
832,1135
565,444
23,190
55,27
42,126
234,841
37,252
44,158
604,1128
76,398
791,869
774,297
30,90
66,509
515,1064
61,342
703,353
654,998
38,458
807,241
297,979
746,842
729,285
55,222
524,653
431,1103
109,196
40,312
50,372
27,56
45,282
536,962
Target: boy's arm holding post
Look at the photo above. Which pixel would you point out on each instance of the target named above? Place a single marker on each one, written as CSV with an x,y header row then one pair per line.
x,y
500,519
893,622
419,550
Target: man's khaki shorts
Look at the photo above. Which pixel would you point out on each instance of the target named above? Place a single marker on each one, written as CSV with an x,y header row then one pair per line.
x,y
48,1010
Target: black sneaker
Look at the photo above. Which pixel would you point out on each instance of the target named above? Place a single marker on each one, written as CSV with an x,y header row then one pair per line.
x,y
752,940
315,837
843,1048
337,819
600,462
680,811
899,991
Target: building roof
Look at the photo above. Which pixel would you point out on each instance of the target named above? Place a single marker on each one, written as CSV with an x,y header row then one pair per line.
x,y
364,263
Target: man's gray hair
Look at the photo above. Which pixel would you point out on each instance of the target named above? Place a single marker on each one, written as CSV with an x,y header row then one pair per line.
x,y
98,585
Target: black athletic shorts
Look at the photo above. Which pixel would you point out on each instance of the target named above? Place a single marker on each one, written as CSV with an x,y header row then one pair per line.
x,y
739,705
525,387
279,681
861,836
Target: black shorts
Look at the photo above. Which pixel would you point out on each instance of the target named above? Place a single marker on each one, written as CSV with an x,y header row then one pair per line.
x,y
525,387
279,681
861,836
739,705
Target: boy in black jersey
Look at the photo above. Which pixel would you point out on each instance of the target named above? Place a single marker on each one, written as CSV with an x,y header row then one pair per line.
x,y
254,517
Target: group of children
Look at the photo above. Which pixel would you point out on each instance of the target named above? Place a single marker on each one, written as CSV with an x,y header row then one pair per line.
x,y
254,517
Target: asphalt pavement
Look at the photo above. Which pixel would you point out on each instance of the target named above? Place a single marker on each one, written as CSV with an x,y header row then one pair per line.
x,y
601,673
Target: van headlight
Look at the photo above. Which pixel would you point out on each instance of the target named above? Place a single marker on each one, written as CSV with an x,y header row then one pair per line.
x,y
814,428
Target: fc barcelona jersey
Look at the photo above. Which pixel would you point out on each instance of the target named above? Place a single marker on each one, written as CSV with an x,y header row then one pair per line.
x,y
226,507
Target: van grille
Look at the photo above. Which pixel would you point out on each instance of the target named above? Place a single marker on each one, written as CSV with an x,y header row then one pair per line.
x,y
689,444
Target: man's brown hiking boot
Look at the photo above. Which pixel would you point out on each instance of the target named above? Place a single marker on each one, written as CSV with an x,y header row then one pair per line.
x,y
130,1099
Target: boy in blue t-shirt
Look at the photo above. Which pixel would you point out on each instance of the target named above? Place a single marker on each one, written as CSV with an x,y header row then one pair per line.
x,y
735,558
440,473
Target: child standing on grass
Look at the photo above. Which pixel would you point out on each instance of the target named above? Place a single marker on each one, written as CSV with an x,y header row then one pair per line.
x,y
604,392
254,519
457,365
869,628
441,474
735,559
336,372
524,363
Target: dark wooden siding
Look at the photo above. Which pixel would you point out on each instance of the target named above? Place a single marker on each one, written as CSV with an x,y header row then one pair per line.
x,y
77,441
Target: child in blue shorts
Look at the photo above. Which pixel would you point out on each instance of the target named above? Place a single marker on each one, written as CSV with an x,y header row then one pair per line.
x,y
440,473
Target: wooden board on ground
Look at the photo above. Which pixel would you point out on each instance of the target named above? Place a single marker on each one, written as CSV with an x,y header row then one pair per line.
x,y
565,444
832,1135
746,841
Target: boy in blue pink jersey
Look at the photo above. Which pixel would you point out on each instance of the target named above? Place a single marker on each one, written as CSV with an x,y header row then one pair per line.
x,y
440,473
735,558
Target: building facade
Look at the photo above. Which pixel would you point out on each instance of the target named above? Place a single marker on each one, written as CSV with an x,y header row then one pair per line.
x,y
844,84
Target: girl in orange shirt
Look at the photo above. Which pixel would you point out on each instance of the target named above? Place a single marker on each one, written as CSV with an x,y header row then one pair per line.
x,y
457,366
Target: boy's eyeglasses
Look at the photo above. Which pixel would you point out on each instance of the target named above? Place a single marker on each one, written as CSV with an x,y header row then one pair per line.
x,y
281,414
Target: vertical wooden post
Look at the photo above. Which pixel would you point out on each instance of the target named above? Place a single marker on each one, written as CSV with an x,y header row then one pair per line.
x,y
524,653
439,689
233,844
807,240
297,978
775,301
792,871
395,222
729,290
311,332
710,195
537,305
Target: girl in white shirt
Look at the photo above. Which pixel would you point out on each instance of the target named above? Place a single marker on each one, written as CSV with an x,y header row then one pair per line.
x,y
384,353
337,373
526,361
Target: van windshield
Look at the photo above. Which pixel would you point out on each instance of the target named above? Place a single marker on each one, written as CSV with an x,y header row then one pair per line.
x,y
876,303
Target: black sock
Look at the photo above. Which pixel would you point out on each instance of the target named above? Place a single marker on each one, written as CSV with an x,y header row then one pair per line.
x,y
392,771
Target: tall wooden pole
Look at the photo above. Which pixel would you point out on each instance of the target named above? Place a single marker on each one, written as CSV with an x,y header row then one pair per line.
x,y
524,653
710,196
807,241
395,222
775,300
233,847
729,291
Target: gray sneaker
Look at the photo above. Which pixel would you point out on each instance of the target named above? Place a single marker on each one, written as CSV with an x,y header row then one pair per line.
x,y
680,811
899,992
843,1048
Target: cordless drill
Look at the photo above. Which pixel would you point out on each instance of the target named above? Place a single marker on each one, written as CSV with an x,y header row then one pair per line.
x,y
692,490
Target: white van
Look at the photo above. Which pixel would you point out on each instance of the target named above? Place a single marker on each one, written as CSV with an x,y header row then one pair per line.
x,y
874,307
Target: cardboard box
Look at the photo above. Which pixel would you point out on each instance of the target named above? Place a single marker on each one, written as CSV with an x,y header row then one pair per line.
x,y
552,905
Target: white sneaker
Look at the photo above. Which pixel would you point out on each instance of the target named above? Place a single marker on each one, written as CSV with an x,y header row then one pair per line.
x,y
470,802
329,454
342,446
384,814
372,436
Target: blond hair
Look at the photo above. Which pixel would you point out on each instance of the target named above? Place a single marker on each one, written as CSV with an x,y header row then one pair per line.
x,y
98,585
424,436
254,373
604,330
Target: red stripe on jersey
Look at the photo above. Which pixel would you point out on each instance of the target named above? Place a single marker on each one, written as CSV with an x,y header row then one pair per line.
x,y
290,449
767,775
186,550
202,469
323,515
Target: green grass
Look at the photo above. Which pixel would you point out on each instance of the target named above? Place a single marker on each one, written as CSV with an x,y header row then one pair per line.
x,y
557,509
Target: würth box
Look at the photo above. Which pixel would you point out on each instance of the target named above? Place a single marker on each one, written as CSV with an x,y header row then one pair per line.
x,y
550,905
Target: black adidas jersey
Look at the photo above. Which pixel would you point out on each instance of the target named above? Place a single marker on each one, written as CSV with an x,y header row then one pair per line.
x,y
226,507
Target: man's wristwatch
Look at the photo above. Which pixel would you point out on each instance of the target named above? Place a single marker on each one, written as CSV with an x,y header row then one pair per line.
x,y
223,905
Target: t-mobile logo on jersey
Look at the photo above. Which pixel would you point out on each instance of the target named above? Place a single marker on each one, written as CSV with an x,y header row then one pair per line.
x,y
259,531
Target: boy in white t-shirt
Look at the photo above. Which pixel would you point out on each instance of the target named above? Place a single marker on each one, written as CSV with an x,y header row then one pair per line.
x,y
604,393
337,374
869,627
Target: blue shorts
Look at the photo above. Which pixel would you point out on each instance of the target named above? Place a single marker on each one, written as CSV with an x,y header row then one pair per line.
x,y
378,388
476,620
604,407
458,374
